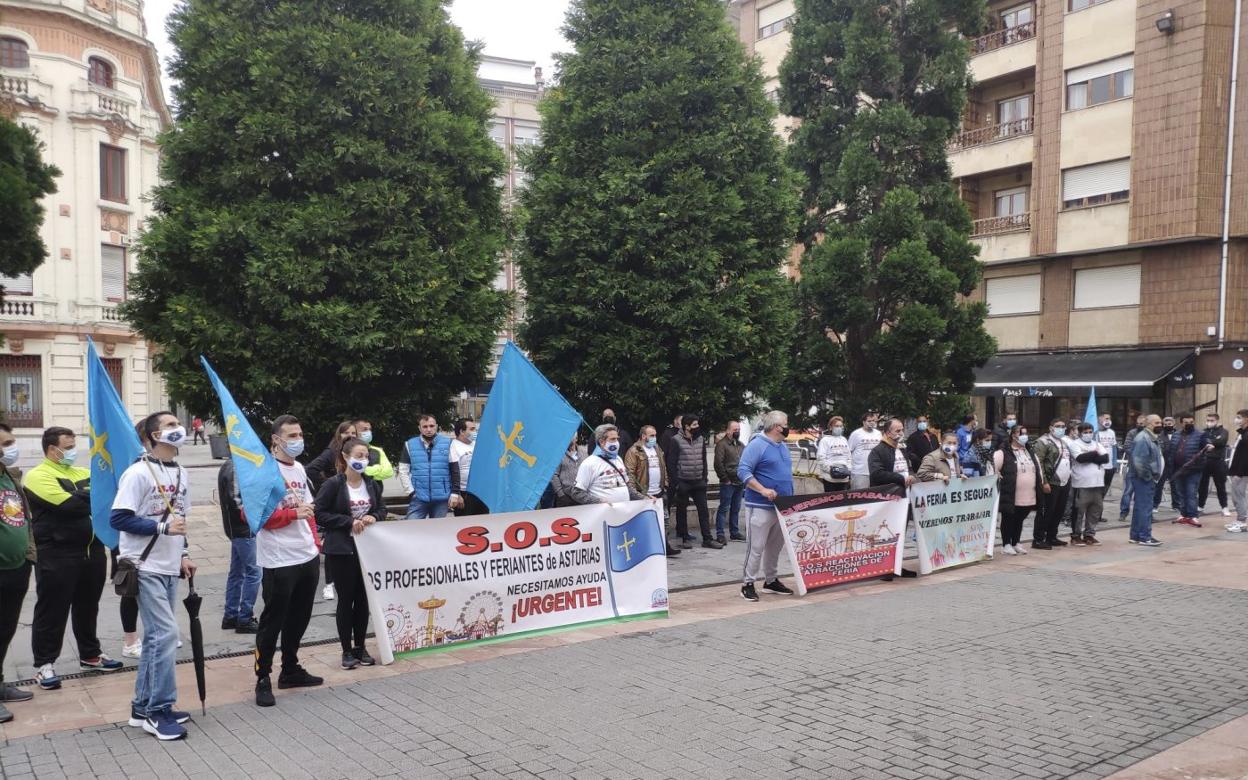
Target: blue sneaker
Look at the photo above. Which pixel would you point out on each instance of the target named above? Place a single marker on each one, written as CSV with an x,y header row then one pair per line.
x,y
102,663
137,718
162,726
47,679
179,716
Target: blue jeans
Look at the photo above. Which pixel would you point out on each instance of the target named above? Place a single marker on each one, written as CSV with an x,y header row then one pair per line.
x,y
243,582
1128,487
419,510
1185,486
729,507
156,686
1142,513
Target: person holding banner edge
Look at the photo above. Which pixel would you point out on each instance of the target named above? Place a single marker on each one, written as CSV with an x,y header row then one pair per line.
x,y
766,471
942,463
1022,483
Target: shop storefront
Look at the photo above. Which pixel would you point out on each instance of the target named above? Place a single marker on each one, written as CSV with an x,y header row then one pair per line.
x,y
1039,387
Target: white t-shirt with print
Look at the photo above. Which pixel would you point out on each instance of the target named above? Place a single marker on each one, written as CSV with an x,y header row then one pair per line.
x,y
461,454
605,480
654,472
361,502
291,544
143,488
861,442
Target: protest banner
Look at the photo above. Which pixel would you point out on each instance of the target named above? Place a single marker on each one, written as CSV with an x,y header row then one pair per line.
x,y
842,537
437,583
955,523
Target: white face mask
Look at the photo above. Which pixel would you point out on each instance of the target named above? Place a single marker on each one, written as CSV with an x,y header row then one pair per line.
x,y
1239,422
173,436
358,465
949,448
11,454
1087,437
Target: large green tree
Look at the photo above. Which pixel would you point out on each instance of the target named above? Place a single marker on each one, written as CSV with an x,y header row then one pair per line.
x,y
878,87
330,230
24,181
657,217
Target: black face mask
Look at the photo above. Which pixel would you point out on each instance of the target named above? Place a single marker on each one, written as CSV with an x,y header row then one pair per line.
x,y
609,420
1189,427
1168,428
784,432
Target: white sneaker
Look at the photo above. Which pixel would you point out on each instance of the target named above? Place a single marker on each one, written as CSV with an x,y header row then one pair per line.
x,y
1008,550
1021,550
328,593
47,679
179,641
132,651
1226,511
1236,528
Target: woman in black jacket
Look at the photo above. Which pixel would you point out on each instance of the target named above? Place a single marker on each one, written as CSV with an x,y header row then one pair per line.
x,y
346,505
321,467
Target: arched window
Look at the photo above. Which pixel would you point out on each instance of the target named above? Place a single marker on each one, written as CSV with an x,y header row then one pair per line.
x,y
14,53
100,72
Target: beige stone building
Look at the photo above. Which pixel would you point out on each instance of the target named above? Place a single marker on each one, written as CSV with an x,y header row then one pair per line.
x,y
83,76
1093,158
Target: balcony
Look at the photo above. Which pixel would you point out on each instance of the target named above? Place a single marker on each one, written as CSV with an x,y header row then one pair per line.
x,y
102,314
1003,238
94,100
17,308
991,148
1002,52
26,87
1004,37
995,226
984,135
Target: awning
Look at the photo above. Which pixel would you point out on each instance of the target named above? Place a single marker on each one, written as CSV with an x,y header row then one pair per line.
x,y
1123,373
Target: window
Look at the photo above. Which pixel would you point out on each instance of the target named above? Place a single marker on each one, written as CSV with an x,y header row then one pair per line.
x,y
114,367
1013,295
774,19
526,134
1099,288
1093,185
112,173
1079,5
498,132
1017,16
1010,203
114,272
1100,82
1013,116
775,28
14,53
99,72
18,285
21,390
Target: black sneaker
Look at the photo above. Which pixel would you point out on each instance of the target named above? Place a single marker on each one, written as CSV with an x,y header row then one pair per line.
x,y
722,540
10,693
1041,546
737,537
672,552
1057,543
228,623
264,692
299,678
908,573
349,661
712,544
686,544
748,593
776,586
247,627
363,657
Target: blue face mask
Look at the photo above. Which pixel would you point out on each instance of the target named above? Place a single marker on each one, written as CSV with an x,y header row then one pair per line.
x,y
293,448
69,456
367,437
611,448
1022,439
650,442
838,430
472,437
922,426
1011,423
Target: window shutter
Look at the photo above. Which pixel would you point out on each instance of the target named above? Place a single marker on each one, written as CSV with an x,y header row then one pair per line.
x,y
1013,295
774,13
18,285
1098,69
1097,179
114,272
1097,288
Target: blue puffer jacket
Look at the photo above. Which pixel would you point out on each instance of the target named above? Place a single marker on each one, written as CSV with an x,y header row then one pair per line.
x,y
1184,453
431,468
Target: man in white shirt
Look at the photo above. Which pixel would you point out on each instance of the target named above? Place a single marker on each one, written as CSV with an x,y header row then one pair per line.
x,y
832,456
288,552
861,442
1089,457
1108,439
602,477
462,447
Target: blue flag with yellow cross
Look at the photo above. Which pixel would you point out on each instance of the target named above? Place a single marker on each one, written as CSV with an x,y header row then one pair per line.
x,y
524,432
114,444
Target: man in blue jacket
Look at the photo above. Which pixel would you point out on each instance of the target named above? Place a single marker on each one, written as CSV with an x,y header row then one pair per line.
x,y
766,471
1144,467
425,472
1187,460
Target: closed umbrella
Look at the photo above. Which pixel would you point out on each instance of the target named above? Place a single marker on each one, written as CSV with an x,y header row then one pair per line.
x,y
192,602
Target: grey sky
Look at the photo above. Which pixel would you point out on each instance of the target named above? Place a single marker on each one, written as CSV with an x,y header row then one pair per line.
x,y
520,29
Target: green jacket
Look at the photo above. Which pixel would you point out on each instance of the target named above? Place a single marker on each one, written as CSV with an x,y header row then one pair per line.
x,y
1049,453
378,467
60,505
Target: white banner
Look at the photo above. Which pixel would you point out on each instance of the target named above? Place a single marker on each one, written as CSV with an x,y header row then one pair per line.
x,y
955,523
437,582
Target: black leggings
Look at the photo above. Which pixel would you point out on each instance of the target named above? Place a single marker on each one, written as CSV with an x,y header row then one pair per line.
x,y
13,586
1012,524
352,607
129,604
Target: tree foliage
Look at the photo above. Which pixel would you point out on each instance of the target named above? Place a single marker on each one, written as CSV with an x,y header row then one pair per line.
x,y
879,89
24,181
657,218
330,230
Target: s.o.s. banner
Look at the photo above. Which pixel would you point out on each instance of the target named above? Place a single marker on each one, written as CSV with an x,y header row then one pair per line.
x,y
434,583
842,537
955,522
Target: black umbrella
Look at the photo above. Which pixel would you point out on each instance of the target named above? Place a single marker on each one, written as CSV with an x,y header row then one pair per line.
x,y
192,602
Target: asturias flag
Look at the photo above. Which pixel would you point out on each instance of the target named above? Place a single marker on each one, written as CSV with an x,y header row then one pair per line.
x,y
114,444
1090,416
524,432
634,541
259,482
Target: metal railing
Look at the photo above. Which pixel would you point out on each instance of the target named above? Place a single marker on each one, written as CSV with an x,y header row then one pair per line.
x,y
1000,38
985,135
992,226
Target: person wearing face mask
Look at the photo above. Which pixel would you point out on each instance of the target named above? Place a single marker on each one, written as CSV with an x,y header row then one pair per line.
x,y
887,462
1124,505
1107,438
321,467
1237,469
982,449
602,477
766,471
425,472
460,456
149,511
920,443
1187,456
564,478
1072,436
1021,485
862,442
646,467
1054,458
832,457
688,470
1215,464
71,564
1164,436
17,555
1001,436
1144,465
242,582
966,447
727,459
379,467
346,505
1088,480
942,463
288,551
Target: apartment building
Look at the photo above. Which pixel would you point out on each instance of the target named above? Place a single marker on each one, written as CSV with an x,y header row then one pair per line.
x,y
83,77
1093,159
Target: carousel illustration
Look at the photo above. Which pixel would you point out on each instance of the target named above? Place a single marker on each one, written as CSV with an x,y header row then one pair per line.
x,y
816,538
480,617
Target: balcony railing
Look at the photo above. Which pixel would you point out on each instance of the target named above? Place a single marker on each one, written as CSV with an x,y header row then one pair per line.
x,y
20,307
994,226
986,135
999,38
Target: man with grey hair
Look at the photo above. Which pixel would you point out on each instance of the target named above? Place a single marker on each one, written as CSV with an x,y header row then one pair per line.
x,y
766,471
602,478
